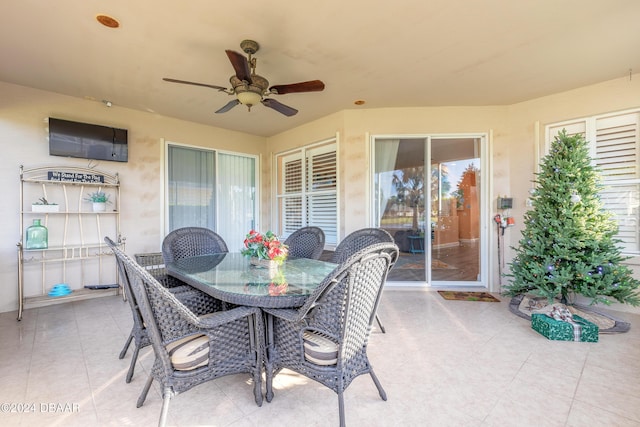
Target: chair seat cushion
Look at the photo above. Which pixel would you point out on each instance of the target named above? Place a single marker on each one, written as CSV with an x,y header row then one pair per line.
x,y
189,352
319,349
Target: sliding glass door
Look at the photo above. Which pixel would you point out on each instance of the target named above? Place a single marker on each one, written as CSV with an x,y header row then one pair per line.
x,y
428,195
455,243
399,201
211,189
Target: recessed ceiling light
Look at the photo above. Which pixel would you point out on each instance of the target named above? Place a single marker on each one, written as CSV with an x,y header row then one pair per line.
x,y
359,102
107,21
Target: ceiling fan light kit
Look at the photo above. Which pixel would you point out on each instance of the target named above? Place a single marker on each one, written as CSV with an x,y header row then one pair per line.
x,y
249,98
250,88
249,94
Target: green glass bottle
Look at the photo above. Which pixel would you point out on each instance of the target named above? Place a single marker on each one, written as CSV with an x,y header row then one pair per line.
x,y
37,236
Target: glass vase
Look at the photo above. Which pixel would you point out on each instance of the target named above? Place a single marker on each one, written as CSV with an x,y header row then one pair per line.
x,y
37,236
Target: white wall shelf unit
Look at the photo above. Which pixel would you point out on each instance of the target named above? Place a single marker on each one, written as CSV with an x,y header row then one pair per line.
x,y
76,255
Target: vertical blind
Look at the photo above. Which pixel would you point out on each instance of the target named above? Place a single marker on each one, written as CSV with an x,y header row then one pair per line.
x,y
236,193
191,188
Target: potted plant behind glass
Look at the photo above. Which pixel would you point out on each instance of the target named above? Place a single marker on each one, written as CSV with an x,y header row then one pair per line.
x,y
100,199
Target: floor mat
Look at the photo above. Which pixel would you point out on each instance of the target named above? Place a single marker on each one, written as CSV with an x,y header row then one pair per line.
x,y
468,296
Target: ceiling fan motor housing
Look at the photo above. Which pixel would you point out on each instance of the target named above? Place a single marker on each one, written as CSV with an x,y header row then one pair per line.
x,y
257,86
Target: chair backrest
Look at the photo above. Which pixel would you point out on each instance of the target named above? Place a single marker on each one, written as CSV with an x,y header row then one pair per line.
x,y
306,242
162,312
192,241
345,303
152,262
359,240
128,292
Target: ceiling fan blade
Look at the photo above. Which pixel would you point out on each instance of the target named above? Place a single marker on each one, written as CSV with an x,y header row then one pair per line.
x,y
240,65
195,84
228,106
279,107
310,86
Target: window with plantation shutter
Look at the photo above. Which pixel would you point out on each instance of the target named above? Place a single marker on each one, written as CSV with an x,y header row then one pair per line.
x,y
615,146
307,190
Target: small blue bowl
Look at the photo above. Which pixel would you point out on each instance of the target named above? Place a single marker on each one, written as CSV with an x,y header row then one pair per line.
x,y
60,290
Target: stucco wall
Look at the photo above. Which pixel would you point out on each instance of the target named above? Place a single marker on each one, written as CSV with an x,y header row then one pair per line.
x,y
516,140
23,140
526,122
515,134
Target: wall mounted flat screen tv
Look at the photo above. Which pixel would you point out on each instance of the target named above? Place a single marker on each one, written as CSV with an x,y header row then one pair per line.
x,y
87,141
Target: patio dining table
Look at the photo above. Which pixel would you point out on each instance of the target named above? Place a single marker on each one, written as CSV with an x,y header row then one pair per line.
x,y
230,277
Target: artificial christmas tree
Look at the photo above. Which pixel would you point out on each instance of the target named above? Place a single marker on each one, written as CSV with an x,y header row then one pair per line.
x,y
568,246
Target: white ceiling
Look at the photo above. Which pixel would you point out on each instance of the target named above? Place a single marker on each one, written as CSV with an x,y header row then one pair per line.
x,y
401,53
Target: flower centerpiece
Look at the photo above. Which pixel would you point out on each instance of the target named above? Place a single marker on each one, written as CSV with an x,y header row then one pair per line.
x,y
264,250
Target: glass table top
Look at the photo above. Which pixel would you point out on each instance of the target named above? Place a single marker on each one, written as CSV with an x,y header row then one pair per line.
x,y
230,277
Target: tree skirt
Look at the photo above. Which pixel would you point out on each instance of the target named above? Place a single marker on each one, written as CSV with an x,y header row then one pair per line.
x,y
523,305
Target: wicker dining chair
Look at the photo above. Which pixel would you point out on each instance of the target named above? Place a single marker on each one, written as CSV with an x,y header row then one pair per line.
x,y
357,241
153,262
192,347
306,242
191,241
139,335
326,339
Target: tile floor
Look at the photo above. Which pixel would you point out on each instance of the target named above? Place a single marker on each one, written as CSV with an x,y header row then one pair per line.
x,y
442,363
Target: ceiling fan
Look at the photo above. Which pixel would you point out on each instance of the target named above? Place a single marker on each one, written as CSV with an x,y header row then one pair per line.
x,y
250,88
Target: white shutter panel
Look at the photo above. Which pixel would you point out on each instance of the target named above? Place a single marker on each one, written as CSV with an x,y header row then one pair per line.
x,y
617,159
321,190
617,147
572,128
291,201
292,211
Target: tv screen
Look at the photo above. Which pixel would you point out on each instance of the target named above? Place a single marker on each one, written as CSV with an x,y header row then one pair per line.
x,y
87,141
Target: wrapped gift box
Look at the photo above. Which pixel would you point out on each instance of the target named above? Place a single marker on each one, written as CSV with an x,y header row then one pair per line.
x,y
563,331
